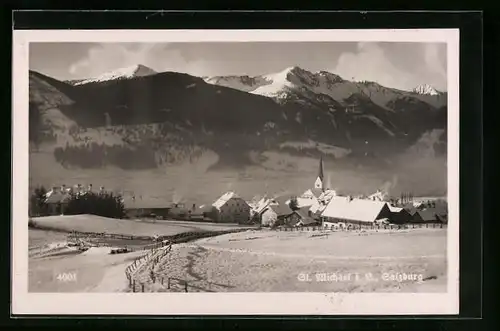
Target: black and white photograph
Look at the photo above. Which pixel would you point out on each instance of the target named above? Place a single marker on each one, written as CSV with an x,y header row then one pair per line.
x,y
231,165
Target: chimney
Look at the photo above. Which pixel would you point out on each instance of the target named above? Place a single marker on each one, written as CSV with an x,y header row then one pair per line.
x,y
54,188
194,206
90,188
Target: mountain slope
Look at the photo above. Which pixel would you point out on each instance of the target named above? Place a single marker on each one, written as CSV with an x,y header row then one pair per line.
x,y
169,119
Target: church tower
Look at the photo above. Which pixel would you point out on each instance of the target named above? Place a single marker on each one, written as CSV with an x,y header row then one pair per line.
x,y
318,184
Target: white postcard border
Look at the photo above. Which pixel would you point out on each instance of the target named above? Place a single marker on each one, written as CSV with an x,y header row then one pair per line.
x,y
24,302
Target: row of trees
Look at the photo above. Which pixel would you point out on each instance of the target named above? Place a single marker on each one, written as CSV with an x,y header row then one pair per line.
x,y
96,155
102,204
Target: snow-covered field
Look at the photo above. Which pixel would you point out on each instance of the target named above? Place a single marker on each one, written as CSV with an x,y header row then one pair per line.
x,y
96,271
92,223
272,261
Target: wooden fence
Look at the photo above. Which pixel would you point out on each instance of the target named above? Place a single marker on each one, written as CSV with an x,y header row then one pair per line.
x,y
155,256
357,227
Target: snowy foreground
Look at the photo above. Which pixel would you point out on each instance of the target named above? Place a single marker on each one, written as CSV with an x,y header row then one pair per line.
x,y
262,261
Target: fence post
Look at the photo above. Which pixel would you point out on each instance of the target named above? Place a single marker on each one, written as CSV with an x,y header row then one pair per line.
x,y
142,287
133,285
185,286
168,282
162,281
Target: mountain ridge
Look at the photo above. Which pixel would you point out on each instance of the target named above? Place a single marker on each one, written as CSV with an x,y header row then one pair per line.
x,y
173,119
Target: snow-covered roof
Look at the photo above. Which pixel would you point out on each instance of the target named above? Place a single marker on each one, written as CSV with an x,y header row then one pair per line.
x,y
355,209
304,202
395,209
379,195
327,195
224,198
261,205
57,196
317,208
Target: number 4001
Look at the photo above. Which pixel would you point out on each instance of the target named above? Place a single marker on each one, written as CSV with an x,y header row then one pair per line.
x,y
66,277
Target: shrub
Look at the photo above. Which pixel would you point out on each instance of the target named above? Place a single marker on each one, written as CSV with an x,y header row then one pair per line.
x,y
101,204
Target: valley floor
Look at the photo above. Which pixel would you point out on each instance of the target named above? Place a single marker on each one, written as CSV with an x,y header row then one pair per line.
x,y
269,261
255,261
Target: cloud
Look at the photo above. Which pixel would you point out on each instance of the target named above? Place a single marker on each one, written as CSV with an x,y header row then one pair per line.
x,y
402,66
110,56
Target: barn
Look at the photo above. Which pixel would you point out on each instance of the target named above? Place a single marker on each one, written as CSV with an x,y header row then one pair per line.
x,y
300,217
230,208
399,215
354,211
146,208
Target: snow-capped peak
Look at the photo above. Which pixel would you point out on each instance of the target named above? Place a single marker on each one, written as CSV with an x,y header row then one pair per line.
x,y
137,70
426,89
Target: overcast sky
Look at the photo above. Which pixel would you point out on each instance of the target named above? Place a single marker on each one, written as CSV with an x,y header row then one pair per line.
x,y
398,65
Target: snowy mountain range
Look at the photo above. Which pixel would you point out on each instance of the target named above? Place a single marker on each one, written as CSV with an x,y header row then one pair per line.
x,y
137,70
426,89
294,81
136,119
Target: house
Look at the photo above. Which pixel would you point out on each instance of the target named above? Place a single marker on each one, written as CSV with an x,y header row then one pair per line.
x,y
282,211
433,215
305,201
300,217
149,208
414,213
268,217
327,195
204,213
354,211
57,200
230,208
178,210
378,196
262,210
399,215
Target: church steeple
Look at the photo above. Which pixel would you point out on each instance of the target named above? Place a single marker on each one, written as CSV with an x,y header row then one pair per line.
x,y
318,184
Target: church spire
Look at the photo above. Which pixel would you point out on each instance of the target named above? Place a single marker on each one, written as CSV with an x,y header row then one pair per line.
x,y
320,173
318,184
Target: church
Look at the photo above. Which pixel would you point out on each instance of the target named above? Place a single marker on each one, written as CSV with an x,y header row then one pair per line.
x,y
319,194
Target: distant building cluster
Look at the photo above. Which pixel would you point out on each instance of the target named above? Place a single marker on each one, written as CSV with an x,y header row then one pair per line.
x,y
316,206
58,196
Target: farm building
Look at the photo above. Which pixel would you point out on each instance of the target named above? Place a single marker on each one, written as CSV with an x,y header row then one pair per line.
x,y
268,216
414,214
300,217
354,211
433,215
230,208
178,211
57,200
399,215
204,213
282,212
146,208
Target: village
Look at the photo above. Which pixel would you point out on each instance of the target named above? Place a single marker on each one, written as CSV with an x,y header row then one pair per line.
x,y
319,206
